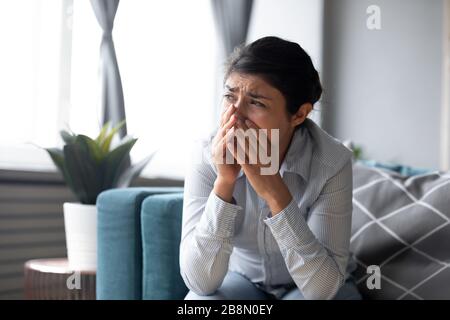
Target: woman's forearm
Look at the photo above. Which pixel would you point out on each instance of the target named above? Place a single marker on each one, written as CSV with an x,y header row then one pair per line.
x,y
224,189
206,244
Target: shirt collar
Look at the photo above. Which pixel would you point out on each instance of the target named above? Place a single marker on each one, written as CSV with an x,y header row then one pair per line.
x,y
298,156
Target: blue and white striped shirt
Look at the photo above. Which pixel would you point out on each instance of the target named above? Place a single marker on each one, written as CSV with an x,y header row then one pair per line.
x,y
306,244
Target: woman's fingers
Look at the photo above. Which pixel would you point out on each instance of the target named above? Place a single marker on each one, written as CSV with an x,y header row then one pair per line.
x,y
251,124
229,135
228,143
251,133
220,145
227,114
223,130
228,125
243,139
242,154
263,138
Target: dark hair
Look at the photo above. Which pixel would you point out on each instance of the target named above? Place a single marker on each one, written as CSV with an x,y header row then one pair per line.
x,y
283,64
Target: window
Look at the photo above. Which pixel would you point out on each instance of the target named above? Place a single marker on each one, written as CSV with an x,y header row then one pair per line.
x,y
33,33
166,52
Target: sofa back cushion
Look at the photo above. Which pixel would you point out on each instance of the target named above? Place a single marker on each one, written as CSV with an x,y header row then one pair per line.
x,y
161,218
119,241
401,224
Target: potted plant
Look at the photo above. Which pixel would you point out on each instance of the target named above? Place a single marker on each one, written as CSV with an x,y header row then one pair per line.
x,y
90,166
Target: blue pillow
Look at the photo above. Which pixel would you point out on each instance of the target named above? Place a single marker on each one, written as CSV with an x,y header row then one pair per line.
x,y
399,168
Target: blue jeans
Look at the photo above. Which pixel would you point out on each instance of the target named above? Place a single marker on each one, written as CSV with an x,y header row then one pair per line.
x,y
237,287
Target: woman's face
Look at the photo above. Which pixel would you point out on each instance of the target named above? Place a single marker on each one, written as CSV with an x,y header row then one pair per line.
x,y
259,102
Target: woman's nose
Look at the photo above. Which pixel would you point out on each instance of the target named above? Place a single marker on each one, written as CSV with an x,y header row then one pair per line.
x,y
241,111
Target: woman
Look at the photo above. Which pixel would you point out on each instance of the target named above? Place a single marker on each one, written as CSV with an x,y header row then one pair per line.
x,y
248,235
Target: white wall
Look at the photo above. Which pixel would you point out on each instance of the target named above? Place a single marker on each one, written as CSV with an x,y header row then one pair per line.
x,y
295,20
383,87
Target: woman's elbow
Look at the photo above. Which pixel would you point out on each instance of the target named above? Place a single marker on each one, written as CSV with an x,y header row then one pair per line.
x,y
324,290
199,286
197,281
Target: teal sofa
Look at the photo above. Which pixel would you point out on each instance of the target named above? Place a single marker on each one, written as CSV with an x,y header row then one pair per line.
x,y
139,232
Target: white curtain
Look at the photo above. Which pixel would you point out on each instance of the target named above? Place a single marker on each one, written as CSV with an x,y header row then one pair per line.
x,y
113,106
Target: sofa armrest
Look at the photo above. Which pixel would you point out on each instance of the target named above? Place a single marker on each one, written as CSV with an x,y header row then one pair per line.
x,y
161,219
119,242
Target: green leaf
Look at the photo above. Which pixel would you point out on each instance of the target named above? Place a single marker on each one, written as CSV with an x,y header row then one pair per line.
x,y
358,153
101,136
67,137
89,166
86,174
93,147
114,163
57,156
106,143
132,172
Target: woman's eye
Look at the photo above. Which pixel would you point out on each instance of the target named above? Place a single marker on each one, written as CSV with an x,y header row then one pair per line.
x,y
229,97
256,103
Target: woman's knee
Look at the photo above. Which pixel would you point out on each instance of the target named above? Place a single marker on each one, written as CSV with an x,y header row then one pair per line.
x,y
194,296
348,291
234,286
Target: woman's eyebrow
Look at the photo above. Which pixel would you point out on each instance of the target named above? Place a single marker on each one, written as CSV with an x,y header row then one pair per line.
x,y
230,88
258,96
251,94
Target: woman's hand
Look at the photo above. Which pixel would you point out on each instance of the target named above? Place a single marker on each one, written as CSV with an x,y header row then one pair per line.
x,y
226,173
269,187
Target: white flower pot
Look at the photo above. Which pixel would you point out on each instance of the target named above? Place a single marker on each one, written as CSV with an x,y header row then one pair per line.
x,y
80,222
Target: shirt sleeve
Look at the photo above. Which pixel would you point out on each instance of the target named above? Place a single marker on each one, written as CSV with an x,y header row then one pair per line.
x,y
316,252
207,231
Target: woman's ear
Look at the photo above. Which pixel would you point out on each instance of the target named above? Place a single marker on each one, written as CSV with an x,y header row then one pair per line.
x,y
301,114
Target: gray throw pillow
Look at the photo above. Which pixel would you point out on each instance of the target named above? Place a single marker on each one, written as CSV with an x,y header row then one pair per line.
x,y
401,224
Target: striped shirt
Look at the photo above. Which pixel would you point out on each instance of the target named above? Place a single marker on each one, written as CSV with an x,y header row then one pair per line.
x,y
305,245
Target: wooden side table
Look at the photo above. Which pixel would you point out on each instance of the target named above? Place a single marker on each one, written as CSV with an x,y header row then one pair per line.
x,y
52,279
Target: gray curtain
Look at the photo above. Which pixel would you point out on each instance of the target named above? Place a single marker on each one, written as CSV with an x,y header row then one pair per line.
x,y
112,101
232,18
